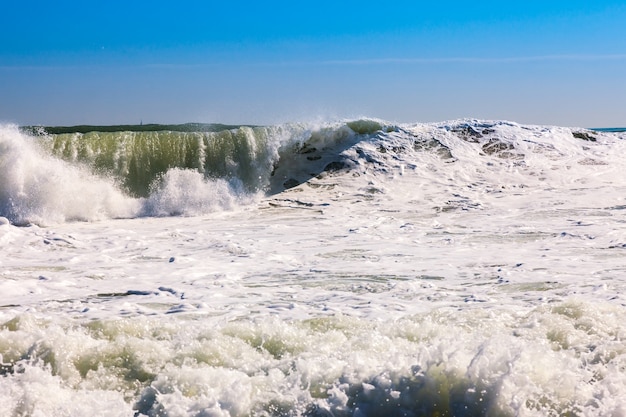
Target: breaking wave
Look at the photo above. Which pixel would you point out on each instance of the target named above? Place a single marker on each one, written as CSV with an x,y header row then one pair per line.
x,y
62,174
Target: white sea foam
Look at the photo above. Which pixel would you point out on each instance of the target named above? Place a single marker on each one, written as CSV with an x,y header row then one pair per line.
x,y
185,192
464,268
38,188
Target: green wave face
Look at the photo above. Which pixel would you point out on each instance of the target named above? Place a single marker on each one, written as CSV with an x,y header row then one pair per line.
x,y
136,159
54,175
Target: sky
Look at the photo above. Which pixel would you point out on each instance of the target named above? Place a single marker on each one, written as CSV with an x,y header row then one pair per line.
x,y
127,62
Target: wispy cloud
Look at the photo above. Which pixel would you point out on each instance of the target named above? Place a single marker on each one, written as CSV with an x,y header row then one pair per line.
x,y
338,62
476,60
404,60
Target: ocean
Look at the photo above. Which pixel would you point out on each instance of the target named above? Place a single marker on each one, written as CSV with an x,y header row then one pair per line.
x,y
353,268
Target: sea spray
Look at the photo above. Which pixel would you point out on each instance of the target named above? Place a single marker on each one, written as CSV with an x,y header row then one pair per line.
x,y
39,188
186,192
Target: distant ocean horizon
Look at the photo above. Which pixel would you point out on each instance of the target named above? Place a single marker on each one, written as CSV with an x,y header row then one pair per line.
x,y
609,129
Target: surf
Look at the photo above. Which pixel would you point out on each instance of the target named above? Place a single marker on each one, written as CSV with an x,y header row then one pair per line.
x,y
467,267
86,173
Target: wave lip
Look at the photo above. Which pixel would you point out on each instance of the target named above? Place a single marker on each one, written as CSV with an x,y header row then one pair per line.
x,y
152,127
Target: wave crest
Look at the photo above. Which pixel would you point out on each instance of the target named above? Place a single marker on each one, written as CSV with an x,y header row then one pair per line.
x,y
87,175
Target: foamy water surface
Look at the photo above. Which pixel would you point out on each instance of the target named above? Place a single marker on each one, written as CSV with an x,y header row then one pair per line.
x,y
466,269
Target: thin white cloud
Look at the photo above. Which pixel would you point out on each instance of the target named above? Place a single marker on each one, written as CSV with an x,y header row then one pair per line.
x,y
476,60
341,62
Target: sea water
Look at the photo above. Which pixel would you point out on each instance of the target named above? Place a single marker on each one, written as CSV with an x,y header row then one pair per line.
x,y
361,268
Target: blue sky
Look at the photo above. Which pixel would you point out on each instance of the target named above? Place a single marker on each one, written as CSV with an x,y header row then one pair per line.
x,y
541,62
